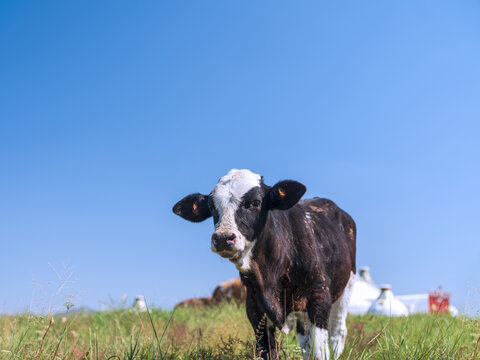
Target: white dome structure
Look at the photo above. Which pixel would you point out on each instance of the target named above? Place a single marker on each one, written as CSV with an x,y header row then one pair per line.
x,y
139,304
364,273
364,292
387,304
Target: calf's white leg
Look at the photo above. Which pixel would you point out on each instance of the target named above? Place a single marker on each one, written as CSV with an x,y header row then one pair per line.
x,y
315,340
337,320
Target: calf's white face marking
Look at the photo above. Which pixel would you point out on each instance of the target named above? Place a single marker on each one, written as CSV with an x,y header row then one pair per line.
x,y
227,196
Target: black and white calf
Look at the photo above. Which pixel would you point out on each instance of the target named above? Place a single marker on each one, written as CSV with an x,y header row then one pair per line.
x,y
296,258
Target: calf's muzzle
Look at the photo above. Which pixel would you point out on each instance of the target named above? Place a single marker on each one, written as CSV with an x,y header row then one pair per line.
x,y
222,242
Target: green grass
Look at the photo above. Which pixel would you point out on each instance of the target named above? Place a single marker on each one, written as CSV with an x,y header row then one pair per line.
x,y
223,333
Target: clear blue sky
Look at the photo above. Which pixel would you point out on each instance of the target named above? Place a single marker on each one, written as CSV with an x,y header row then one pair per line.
x,y
111,111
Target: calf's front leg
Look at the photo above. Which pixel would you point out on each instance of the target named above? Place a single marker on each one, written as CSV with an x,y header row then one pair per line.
x,y
313,335
264,332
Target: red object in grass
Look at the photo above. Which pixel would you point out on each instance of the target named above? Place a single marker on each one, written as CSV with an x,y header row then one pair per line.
x,y
438,302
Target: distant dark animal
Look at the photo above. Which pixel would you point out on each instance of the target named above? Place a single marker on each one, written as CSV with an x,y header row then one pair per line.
x,y
296,258
198,302
227,291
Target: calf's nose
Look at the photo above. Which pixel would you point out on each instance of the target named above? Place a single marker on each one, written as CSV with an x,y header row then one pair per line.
x,y
223,241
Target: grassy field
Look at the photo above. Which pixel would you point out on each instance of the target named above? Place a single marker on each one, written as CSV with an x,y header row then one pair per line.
x,y
222,333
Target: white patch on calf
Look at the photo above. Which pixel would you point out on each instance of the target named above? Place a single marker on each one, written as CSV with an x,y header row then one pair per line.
x,y
231,188
243,262
307,216
320,344
308,220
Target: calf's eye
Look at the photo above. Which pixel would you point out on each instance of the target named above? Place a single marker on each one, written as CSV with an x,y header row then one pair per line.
x,y
254,204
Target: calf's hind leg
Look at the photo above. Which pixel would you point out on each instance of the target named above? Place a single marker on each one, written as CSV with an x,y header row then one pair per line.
x,y
337,321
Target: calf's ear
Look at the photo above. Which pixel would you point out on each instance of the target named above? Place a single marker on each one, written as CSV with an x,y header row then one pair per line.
x,y
193,208
284,194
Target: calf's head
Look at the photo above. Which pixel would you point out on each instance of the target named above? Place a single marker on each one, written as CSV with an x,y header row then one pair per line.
x,y
239,204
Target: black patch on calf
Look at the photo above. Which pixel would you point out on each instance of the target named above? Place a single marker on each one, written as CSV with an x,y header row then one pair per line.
x,y
251,213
